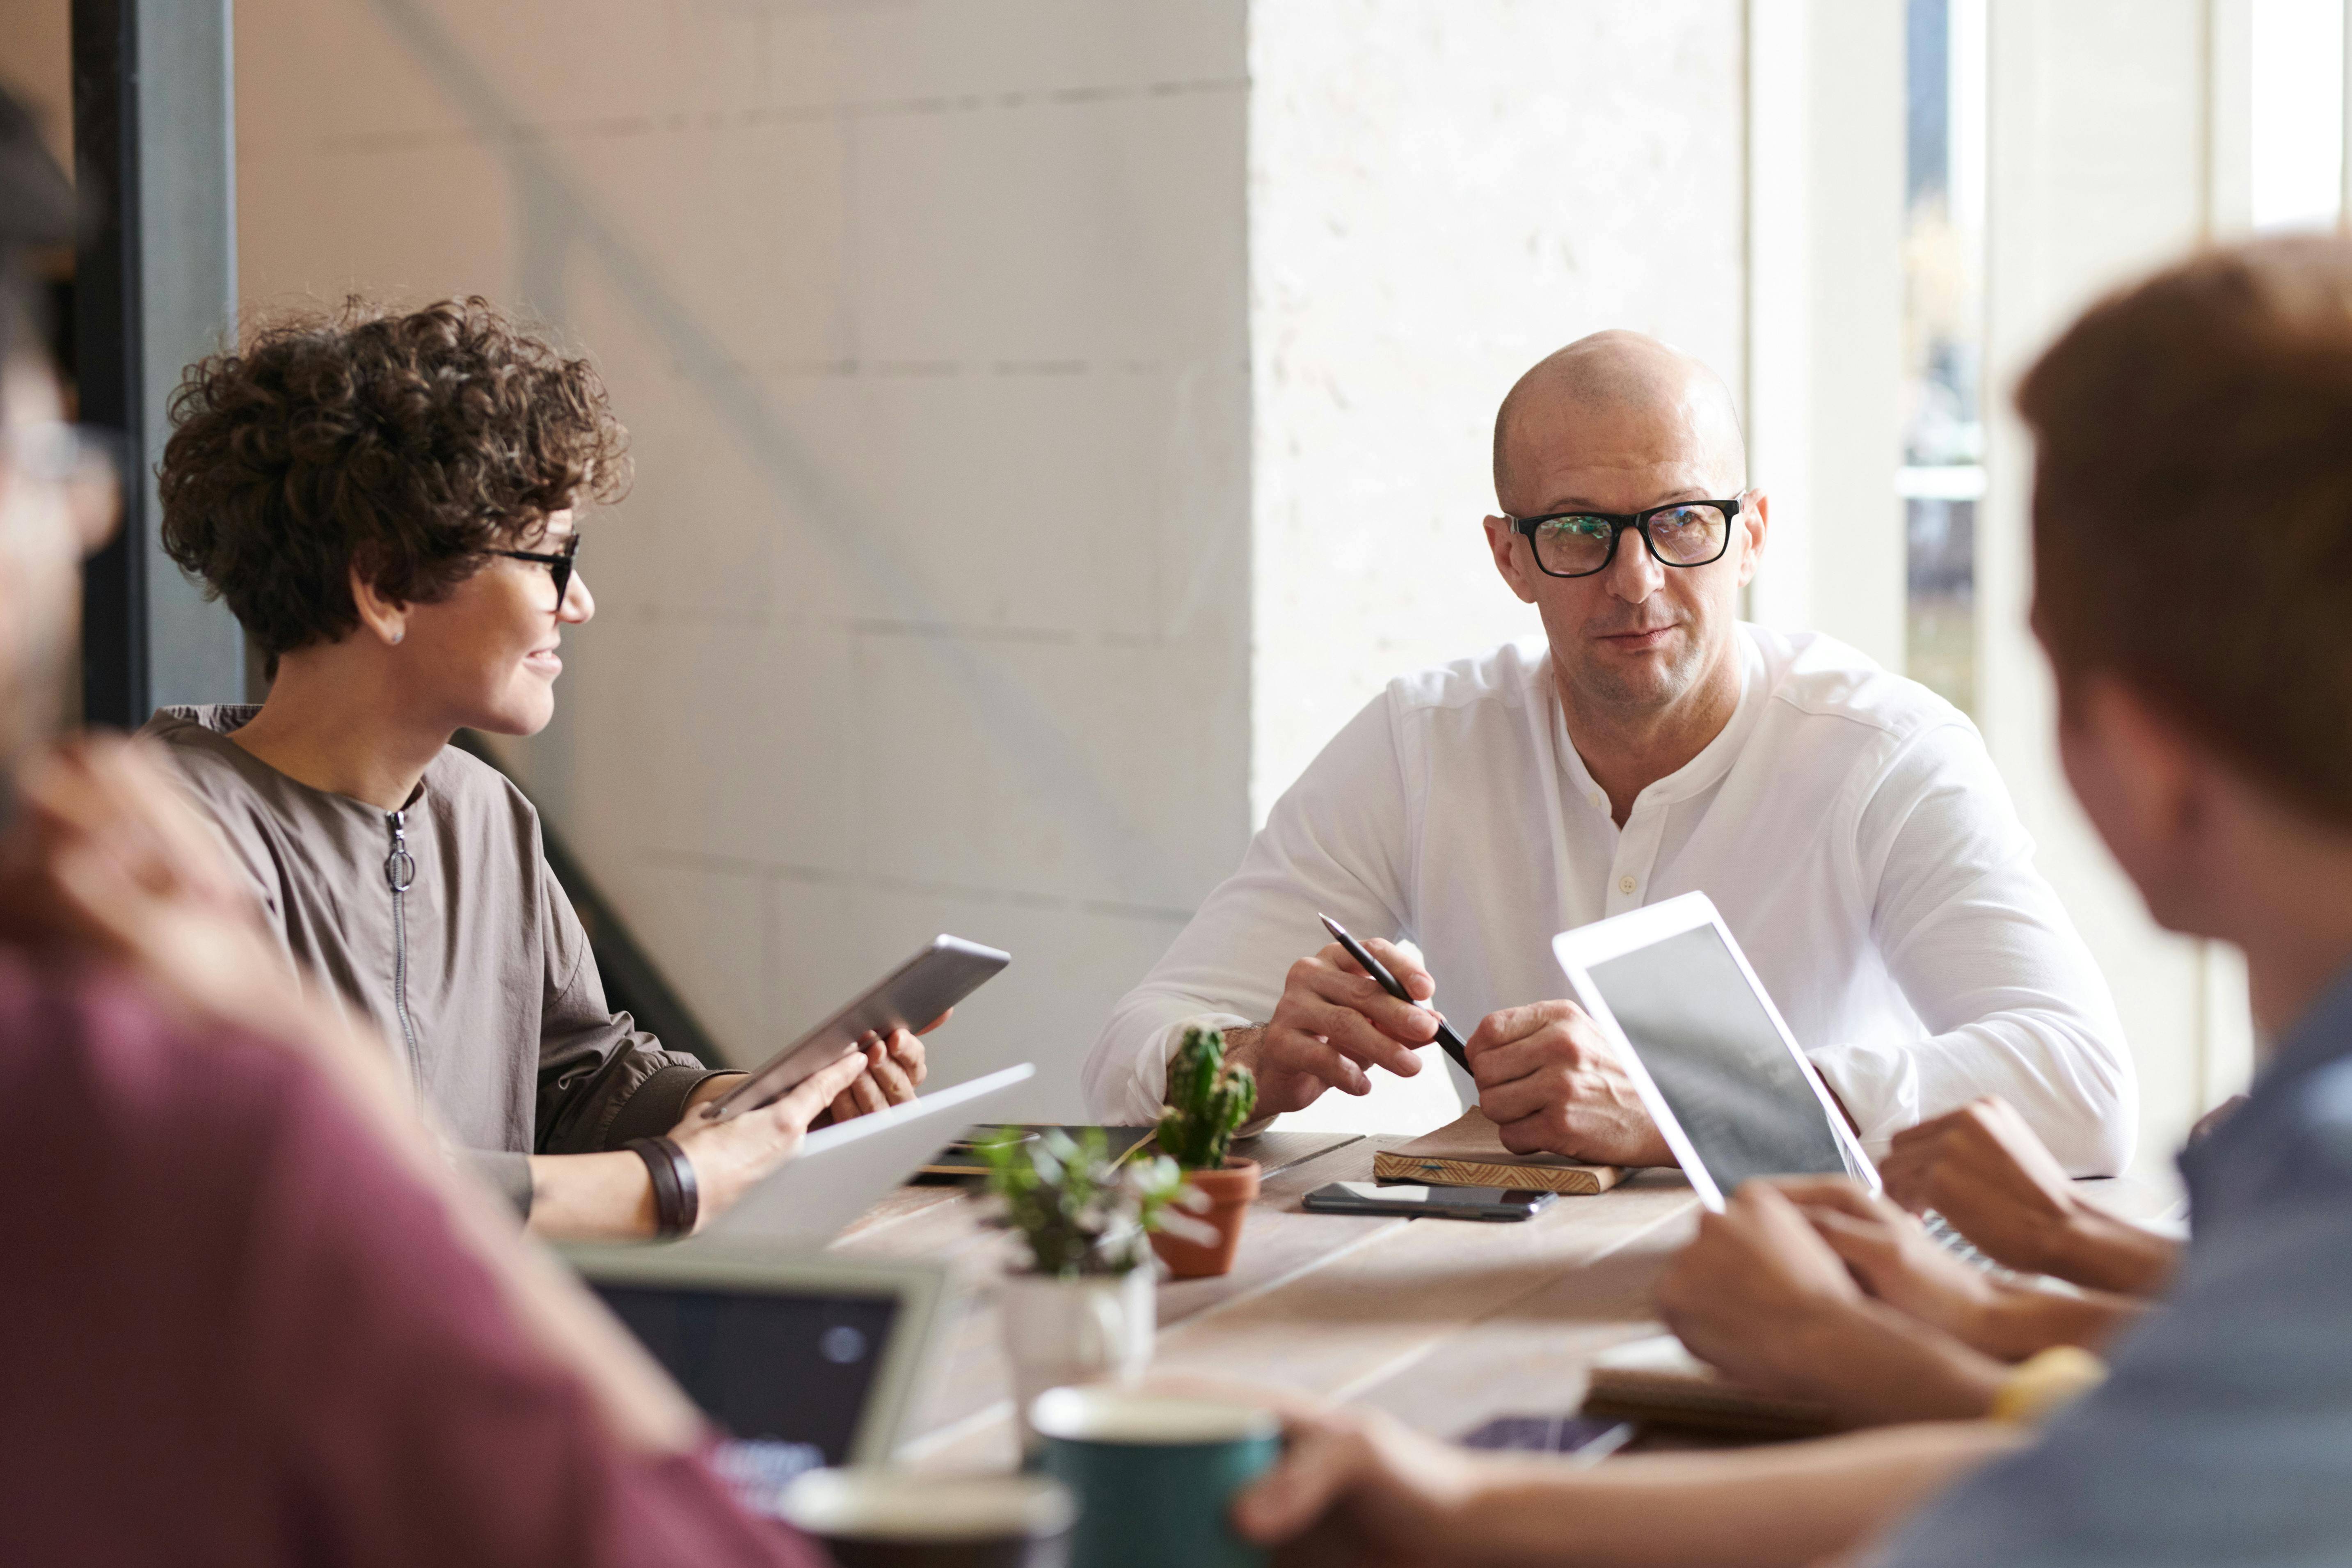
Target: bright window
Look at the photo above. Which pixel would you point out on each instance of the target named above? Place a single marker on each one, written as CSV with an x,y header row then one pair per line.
x,y
1943,478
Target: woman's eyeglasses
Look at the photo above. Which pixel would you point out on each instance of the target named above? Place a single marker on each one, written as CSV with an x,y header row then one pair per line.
x,y
559,566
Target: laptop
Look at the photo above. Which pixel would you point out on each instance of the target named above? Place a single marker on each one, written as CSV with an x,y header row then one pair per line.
x,y
840,1171
1714,1061
801,1360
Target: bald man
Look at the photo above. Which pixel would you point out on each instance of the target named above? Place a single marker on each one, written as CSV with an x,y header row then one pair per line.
x,y
1845,821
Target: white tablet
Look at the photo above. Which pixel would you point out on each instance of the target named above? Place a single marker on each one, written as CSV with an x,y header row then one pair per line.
x,y
841,1170
1715,1063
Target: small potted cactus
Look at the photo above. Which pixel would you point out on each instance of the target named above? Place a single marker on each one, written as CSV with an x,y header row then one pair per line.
x,y
1208,1100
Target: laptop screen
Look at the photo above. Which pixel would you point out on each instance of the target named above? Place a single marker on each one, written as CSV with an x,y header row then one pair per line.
x,y
1723,1069
785,1375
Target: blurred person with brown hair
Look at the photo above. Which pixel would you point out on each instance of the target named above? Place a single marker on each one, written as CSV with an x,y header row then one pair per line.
x,y
2192,526
388,504
256,1316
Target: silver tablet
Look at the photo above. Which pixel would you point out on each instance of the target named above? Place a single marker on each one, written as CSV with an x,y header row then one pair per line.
x,y
910,996
1716,1065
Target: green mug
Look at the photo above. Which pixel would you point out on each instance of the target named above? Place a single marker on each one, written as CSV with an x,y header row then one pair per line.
x,y
1155,1475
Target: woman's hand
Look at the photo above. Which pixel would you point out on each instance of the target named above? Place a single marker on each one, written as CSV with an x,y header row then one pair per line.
x,y
731,1156
894,1069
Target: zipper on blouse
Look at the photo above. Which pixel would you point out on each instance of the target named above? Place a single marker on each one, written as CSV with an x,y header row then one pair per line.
x,y
399,872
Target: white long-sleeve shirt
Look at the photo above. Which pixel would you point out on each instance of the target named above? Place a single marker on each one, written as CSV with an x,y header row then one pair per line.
x,y
1846,822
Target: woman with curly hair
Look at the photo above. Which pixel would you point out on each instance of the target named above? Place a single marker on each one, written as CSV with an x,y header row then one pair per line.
x,y
386,502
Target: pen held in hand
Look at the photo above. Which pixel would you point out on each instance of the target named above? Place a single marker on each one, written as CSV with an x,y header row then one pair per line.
x,y
1389,984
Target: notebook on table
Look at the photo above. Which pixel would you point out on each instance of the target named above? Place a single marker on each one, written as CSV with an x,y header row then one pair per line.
x,y
1655,1379
1468,1152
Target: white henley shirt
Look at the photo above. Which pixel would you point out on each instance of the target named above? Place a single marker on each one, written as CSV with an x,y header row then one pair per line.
x,y
1847,823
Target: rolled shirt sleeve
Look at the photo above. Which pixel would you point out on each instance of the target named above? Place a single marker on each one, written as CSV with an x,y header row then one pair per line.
x,y
2011,999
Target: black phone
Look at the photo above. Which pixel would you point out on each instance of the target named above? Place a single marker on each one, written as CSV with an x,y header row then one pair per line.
x,y
1427,1202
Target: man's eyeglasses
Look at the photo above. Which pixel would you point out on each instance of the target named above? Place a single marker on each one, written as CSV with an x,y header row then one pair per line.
x,y
1578,543
559,565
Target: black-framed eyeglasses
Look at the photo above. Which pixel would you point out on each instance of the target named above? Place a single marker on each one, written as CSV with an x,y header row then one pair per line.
x,y
559,565
1580,544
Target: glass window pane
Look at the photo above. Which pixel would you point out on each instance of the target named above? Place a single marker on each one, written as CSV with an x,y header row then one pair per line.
x,y
1943,338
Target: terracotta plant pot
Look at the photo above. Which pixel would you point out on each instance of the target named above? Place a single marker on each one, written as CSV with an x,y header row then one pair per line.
x,y
1230,1192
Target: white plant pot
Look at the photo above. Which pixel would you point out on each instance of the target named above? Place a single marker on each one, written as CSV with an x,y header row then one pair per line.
x,y
1096,1328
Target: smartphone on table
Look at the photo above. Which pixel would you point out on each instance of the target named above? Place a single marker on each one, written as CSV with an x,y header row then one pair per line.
x,y
1427,1202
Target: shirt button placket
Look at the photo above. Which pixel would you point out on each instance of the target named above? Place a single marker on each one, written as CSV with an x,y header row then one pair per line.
x,y
1637,847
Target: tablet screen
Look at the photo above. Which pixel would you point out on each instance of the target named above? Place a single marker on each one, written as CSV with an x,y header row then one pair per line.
x,y
786,1375
1723,1069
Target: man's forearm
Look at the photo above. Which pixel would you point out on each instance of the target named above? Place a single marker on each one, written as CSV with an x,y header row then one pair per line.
x,y
2019,1321
2101,1252
1793,1503
1881,1366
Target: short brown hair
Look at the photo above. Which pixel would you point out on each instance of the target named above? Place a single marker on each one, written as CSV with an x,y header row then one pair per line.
x,y
407,445
2192,506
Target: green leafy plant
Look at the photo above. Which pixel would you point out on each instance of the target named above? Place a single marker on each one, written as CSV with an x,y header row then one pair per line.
x,y
1081,1212
1208,1099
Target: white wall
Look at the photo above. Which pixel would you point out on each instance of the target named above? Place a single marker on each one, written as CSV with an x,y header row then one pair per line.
x,y
1441,194
1824,279
929,610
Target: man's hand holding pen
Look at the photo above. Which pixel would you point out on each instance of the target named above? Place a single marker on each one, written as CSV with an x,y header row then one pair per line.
x,y
1333,1024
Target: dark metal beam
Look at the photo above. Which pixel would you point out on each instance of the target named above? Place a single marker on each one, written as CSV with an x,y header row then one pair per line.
x,y
154,289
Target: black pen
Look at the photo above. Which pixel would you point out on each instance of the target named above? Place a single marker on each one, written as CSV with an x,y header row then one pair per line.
x,y
1389,984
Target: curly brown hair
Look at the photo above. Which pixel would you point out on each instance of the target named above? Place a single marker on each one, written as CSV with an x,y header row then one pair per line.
x,y
408,446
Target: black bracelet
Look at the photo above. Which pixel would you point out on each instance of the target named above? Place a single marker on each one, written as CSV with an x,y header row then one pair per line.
x,y
677,1199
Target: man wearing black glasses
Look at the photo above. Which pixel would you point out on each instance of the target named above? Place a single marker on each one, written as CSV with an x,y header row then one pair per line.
x,y
1846,821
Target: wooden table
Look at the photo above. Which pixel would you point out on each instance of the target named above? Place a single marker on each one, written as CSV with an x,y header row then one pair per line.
x,y
1444,1324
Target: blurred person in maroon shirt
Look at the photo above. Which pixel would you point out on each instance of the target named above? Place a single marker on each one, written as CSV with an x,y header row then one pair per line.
x,y
256,1315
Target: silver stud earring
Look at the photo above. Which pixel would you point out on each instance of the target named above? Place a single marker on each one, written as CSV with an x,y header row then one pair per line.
x,y
397,636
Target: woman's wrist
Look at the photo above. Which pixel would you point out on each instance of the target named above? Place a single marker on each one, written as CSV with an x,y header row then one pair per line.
x,y
591,1197
676,1194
